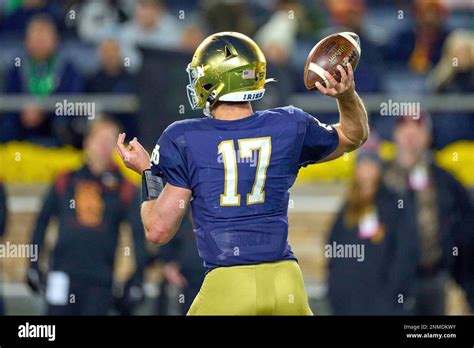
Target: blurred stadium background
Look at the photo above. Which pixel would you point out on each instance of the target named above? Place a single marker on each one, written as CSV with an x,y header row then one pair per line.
x,y
128,59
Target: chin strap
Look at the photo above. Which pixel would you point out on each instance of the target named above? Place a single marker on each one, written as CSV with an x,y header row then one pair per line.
x,y
207,110
211,99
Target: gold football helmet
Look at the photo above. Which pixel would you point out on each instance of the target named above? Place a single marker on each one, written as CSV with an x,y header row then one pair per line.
x,y
227,66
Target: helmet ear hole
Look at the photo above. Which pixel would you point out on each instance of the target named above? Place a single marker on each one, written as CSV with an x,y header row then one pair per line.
x,y
207,86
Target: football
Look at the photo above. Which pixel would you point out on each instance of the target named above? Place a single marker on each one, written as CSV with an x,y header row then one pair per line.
x,y
337,49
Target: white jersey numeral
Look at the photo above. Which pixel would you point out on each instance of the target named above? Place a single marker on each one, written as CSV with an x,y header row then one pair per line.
x,y
230,195
155,155
264,148
263,145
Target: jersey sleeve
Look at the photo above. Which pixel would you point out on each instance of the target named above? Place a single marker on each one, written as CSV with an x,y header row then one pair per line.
x,y
168,161
319,141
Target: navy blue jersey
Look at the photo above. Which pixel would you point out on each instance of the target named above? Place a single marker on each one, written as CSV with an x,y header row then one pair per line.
x,y
240,172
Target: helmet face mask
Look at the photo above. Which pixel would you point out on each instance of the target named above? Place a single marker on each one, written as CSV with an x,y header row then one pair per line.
x,y
227,66
194,74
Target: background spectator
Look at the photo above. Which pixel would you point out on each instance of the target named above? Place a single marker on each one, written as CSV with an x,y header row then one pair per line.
x,y
419,46
41,70
442,210
455,71
18,13
89,203
277,37
113,78
228,16
152,26
454,74
96,17
380,280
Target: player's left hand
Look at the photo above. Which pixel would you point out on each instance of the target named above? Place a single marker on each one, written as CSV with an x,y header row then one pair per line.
x,y
338,89
134,156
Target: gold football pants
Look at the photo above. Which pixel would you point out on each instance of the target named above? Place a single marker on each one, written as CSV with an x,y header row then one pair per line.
x,y
275,288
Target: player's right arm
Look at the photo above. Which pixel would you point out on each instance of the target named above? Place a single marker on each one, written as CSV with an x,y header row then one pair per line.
x,y
164,208
353,126
323,142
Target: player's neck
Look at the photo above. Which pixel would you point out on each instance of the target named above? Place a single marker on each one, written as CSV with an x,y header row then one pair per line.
x,y
231,111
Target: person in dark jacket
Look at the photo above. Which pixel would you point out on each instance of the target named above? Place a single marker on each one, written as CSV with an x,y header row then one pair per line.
x,y
418,47
90,205
443,219
379,278
3,222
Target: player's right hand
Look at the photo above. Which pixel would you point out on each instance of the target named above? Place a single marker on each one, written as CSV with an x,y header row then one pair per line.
x,y
341,89
134,156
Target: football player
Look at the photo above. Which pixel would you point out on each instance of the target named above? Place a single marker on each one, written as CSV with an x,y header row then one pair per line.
x,y
235,168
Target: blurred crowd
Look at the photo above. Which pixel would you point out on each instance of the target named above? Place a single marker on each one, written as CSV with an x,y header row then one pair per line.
x,y
415,219
416,223
52,47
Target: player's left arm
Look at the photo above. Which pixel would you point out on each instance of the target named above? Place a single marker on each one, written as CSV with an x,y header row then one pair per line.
x,y
164,208
353,126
